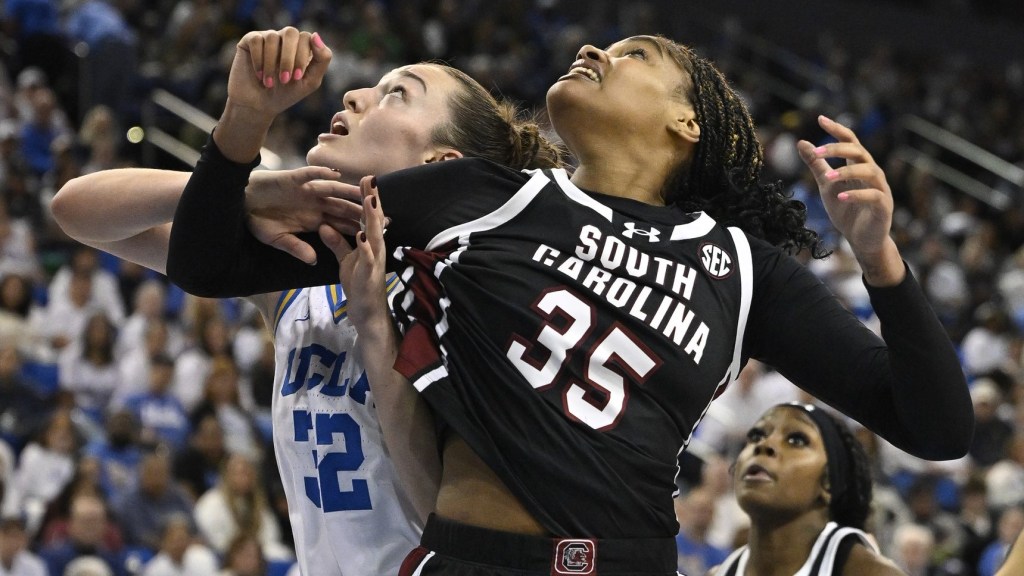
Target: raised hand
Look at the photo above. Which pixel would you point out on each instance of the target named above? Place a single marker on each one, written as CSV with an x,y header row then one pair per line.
x,y
274,69
858,200
282,203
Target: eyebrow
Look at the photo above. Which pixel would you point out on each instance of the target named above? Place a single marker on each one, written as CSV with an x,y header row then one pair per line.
x,y
409,74
649,41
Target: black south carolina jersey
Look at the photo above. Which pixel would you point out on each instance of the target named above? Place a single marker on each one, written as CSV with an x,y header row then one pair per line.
x,y
827,557
575,340
599,331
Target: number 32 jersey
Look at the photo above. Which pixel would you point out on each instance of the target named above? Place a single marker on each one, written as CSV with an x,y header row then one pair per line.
x,y
600,330
347,512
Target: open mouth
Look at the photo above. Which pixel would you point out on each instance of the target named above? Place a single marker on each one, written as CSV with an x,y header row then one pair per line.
x,y
339,129
758,473
585,72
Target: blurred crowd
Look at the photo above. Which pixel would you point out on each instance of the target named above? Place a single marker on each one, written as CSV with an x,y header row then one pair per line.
x,y
134,419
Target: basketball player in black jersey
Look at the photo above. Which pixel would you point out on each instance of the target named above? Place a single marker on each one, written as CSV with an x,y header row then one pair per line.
x,y
570,332
805,482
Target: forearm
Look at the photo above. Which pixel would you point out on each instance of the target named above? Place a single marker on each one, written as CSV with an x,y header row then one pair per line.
x,y
930,393
908,388
406,421
212,253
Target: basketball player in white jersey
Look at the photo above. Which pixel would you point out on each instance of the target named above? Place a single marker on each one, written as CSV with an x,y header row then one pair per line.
x,y
805,481
348,512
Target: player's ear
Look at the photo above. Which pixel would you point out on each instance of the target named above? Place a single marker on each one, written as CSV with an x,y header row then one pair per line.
x,y
442,154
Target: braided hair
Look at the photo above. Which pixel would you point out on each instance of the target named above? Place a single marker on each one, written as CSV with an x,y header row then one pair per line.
x,y
723,177
853,506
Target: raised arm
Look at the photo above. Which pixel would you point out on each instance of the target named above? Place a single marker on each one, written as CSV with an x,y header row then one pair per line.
x,y
908,386
211,252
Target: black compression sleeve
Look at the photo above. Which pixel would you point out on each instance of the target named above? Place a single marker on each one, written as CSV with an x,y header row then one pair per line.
x,y
212,253
909,388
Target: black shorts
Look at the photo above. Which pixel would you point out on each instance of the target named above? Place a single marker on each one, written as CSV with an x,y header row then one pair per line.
x,y
453,549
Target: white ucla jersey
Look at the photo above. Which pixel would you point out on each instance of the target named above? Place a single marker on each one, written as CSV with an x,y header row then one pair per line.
x,y
348,515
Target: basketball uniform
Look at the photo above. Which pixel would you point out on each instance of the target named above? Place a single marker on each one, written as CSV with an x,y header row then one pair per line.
x,y
348,515
827,557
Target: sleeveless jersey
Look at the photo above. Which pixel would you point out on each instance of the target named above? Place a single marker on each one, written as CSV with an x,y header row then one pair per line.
x,y
348,514
822,561
600,330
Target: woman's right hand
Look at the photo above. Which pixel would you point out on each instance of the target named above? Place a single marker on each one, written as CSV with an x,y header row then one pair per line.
x,y
275,69
283,203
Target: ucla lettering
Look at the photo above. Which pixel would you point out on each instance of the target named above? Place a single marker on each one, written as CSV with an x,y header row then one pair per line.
x,y
315,366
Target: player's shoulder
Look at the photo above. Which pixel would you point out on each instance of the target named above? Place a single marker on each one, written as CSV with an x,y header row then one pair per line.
x,y
460,171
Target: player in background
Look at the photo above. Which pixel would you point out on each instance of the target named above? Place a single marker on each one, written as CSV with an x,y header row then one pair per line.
x,y
805,482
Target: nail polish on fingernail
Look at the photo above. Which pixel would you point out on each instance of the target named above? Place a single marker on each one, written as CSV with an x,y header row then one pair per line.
x,y
297,75
820,150
832,174
373,202
362,236
286,76
317,40
268,81
259,74
843,196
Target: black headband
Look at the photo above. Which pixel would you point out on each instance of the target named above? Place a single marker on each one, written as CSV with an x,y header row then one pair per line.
x,y
835,450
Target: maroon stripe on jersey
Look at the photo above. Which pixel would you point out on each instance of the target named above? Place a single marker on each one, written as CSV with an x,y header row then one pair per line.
x,y
420,352
412,561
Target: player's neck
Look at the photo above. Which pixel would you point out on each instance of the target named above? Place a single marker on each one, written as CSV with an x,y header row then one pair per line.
x,y
620,181
780,549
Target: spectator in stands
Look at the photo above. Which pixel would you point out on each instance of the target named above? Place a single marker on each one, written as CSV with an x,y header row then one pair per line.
x,y
695,512
118,454
237,506
181,553
144,511
44,468
17,246
137,364
105,294
1005,479
221,397
243,557
977,522
15,557
88,370
149,303
195,364
161,417
16,307
991,432
199,465
1011,523
86,528
23,406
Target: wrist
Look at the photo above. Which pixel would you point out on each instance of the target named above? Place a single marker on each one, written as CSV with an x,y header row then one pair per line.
x,y
241,132
883,268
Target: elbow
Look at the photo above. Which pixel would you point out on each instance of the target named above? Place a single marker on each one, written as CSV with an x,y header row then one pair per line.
x,y
950,442
63,207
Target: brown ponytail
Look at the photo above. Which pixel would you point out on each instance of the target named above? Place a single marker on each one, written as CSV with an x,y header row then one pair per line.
x,y
482,127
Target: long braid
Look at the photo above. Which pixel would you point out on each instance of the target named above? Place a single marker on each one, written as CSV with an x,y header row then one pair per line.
x,y
853,506
723,178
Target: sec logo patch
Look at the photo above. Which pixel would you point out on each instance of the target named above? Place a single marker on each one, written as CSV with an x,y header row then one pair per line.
x,y
717,262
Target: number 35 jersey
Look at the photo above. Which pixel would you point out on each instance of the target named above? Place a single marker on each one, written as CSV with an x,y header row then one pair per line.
x,y
599,331
347,512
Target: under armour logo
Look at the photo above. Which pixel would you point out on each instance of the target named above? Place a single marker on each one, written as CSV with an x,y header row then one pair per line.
x,y
632,230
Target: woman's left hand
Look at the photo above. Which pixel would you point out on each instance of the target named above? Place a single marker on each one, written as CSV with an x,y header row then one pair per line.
x,y
858,200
